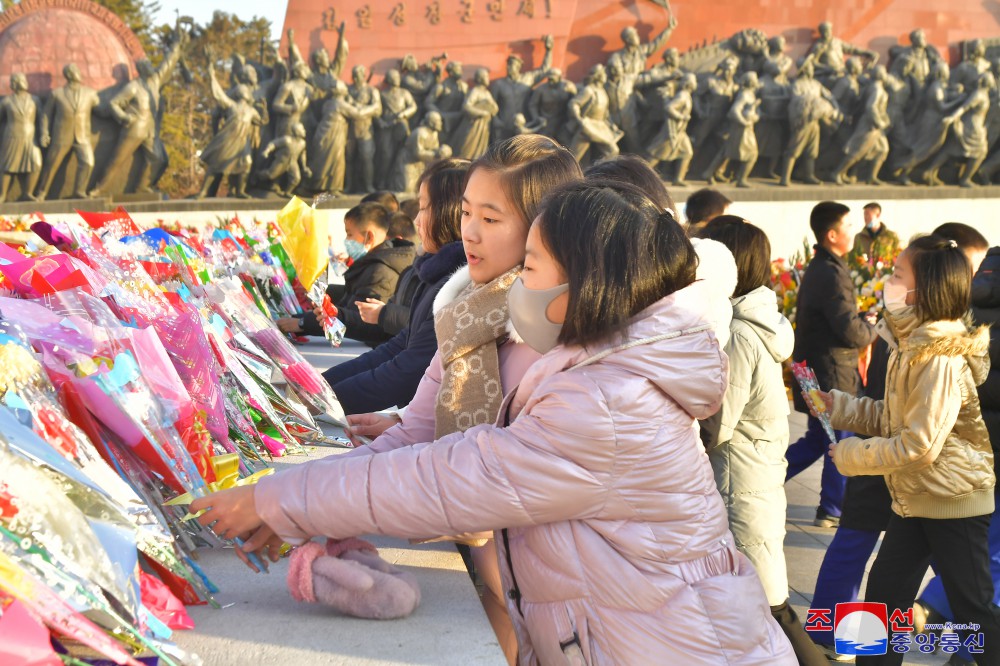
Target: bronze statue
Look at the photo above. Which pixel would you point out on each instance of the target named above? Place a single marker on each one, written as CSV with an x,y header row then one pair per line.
x,y
472,136
672,143
619,94
634,54
663,75
230,151
329,157
324,74
868,141
420,81
776,54
511,92
632,60
914,61
972,67
19,156
398,106
967,137
65,127
136,108
290,160
448,97
361,135
292,100
772,128
547,106
741,142
810,105
846,91
828,52
422,147
589,109
931,131
712,102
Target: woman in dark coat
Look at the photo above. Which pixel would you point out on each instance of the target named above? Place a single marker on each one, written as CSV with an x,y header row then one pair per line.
x,y
388,375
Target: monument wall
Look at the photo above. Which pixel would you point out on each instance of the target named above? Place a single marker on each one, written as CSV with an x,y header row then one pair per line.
x,y
482,33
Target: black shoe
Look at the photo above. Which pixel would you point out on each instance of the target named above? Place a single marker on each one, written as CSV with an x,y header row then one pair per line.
x,y
823,519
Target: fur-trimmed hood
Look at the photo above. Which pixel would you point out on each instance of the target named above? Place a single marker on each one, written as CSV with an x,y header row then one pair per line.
x,y
453,288
951,338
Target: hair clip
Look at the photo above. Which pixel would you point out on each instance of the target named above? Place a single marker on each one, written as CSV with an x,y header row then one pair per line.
x,y
952,243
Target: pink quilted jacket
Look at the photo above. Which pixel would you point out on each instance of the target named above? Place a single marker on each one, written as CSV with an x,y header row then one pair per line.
x,y
612,537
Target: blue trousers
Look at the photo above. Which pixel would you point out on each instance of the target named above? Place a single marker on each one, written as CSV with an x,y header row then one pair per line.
x,y
934,596
811,447
839,579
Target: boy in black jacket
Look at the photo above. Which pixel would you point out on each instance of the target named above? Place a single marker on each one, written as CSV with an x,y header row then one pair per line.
x,y
829,334
376,265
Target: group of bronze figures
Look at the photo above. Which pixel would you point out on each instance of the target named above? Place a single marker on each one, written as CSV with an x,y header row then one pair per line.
x,y
720,111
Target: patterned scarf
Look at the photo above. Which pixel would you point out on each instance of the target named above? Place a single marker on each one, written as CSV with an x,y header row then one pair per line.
x,y
467,331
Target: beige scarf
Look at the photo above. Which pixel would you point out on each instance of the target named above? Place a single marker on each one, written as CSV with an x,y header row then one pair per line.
x,y
467,330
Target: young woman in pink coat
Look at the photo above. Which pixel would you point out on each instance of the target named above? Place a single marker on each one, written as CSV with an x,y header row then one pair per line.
x,y
612,538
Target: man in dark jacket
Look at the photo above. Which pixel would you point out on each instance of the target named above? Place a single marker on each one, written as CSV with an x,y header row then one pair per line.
x,y
376,265
828,336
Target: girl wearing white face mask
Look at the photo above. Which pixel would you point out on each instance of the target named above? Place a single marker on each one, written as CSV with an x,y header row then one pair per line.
x,y
934,450
612,538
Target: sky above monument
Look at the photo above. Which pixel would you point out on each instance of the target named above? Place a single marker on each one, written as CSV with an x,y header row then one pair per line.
x,y
201,11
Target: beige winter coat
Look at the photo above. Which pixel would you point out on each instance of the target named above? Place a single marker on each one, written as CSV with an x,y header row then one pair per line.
x,y
934,449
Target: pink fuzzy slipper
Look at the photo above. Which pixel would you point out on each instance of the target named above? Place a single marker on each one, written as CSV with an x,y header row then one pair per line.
x,y
350,576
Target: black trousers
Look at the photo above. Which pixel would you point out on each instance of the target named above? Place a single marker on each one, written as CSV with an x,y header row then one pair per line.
x,y
961,555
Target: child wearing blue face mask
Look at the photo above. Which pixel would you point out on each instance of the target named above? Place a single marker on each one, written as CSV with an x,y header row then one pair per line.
x,y
933,448
376,263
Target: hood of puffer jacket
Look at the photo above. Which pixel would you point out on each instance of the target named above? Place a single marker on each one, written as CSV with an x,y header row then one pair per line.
x,y
951,338
759,310
717,268
672,343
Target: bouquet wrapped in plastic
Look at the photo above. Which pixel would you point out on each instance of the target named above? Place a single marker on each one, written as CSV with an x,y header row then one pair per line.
x,y
806,378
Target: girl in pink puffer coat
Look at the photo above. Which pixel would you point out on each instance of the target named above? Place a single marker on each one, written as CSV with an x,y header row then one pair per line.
x,y
612,538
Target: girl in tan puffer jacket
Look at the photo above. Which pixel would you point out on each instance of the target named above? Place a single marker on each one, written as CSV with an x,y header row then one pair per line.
x,y
934,449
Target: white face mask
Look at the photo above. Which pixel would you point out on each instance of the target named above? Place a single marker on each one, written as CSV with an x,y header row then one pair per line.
x,y
528,309
894,295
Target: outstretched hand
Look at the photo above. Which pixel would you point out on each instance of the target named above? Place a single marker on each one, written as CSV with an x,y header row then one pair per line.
x,y
229,513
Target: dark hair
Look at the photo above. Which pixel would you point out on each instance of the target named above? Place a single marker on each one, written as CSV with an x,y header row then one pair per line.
x,y
874,205
529,167
967,237
705,204
636,171
364,216
942,276
825,216
411,207
750,248
401,226
594,230
386,198
445,182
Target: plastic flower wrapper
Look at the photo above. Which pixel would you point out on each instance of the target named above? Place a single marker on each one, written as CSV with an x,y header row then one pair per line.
x,y
806,378
25,390
59,508
305,231
302,377
22,584
29,574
